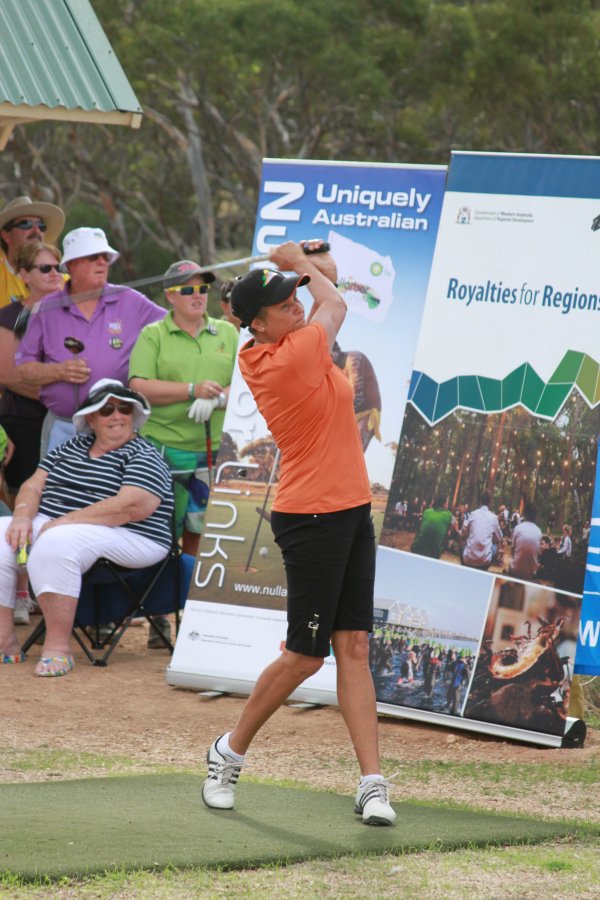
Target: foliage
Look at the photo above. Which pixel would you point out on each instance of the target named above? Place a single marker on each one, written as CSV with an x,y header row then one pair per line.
x,y
224,83
517,457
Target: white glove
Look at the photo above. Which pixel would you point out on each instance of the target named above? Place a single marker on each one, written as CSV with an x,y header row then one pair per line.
x,y
201,409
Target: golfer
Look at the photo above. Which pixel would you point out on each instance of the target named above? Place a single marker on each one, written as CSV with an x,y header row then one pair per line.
x,y
321,516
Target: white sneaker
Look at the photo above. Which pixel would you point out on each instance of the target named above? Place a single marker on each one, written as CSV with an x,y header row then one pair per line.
x,y
218,791
373,803
23,606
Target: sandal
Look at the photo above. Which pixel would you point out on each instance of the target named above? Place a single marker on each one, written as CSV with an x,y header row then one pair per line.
x,y
15,658
43,670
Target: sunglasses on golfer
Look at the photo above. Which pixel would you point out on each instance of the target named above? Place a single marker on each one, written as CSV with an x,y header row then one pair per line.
x,y
45,268
27,225
187,290
126,409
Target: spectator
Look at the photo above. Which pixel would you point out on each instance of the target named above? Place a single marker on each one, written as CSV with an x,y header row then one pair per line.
x,y
21,221
105,318
184,365
105,493
225,302
433,531
479,532
565,548
547,567
526,545
21,413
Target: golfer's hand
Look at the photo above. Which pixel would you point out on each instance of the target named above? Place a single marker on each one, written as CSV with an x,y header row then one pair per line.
x,y
288,257
324,262
75,371
201,410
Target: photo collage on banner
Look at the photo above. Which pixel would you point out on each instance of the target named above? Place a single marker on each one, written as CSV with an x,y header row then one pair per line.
x,y
381,223
489,515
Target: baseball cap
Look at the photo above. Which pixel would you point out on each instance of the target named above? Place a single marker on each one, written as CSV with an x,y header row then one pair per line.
x,y
262,287
181,271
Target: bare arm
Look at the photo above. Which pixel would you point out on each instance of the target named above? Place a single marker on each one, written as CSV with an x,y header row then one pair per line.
x,y
37,374
8,373
27,504
161,393
328,306
131,504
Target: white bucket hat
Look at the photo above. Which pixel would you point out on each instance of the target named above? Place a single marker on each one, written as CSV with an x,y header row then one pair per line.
x,y
84,242
100,393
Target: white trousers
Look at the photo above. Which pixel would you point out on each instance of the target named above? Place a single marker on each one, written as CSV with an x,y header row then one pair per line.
x,y
60,556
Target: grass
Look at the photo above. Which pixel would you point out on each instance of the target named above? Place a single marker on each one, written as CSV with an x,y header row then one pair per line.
x,y
559,868
562,868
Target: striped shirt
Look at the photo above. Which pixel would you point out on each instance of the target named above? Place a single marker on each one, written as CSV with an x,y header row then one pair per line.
x,y
76,480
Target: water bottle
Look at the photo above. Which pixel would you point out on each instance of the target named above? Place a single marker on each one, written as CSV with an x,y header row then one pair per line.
x,y
22,557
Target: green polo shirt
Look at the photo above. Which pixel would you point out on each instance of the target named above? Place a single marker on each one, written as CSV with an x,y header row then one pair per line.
x,y
165,352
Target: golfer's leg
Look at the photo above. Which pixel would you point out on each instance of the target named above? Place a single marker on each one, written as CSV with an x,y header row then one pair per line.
x,y
356,696
273,687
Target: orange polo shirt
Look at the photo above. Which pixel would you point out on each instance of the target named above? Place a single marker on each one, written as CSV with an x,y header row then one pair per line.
x,y
307,403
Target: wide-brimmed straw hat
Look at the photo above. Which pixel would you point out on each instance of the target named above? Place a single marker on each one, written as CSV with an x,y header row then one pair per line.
x,y
100,393
23,207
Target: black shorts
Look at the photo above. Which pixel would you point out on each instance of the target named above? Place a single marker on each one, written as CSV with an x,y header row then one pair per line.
x,y
329,562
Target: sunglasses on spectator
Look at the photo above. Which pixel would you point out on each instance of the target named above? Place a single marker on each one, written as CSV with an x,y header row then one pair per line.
x,y
27,225
45,268
93,257
186,290
126,409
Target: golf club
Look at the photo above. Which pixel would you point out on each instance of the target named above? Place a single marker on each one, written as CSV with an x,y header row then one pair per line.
x,y
74,346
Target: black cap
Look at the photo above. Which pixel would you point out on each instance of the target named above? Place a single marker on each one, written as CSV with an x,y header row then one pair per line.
x,y
181,271
262,287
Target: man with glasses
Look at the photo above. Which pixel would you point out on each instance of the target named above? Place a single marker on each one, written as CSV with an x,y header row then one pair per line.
x,y
82,333
23,220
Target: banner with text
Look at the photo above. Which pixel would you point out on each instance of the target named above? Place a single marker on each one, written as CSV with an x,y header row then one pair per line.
x,y
488,518
381,222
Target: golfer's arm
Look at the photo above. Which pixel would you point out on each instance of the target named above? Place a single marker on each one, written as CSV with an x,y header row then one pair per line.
x,y
329,308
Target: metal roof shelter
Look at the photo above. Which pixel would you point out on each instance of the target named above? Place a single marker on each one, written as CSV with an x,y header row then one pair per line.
x,y
56,63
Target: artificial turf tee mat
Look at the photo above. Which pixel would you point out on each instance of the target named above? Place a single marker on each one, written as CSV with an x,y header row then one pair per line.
x,y
83,827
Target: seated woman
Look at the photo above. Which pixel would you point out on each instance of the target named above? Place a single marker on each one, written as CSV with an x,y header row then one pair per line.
x,y
106,492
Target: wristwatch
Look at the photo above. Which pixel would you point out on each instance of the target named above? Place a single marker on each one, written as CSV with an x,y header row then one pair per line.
x,y
222,400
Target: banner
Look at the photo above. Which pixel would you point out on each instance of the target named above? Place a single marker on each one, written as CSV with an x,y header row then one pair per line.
x,y
588,648
489,513
381,222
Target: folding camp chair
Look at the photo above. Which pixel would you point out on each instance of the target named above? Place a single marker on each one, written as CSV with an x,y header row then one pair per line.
x,y
112,594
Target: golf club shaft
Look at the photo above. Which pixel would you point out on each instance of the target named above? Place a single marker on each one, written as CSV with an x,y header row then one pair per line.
x,y
249,260
42,306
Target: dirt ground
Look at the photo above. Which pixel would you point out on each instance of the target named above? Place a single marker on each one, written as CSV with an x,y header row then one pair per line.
x,y
127,709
